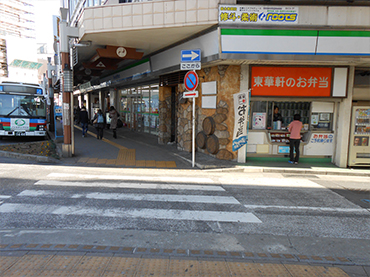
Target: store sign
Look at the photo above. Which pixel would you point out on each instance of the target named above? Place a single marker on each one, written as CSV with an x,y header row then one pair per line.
x,y
291,81
322,138
241,107
243,14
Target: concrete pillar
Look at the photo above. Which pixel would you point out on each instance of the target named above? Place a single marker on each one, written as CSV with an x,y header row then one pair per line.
x,y
113,98
343,125
244,86
164,134
67,120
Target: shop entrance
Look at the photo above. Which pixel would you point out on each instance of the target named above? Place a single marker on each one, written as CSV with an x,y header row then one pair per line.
x,y
134,117
139,108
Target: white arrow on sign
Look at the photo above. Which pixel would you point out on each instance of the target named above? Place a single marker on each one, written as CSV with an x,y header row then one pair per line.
x,y
193,55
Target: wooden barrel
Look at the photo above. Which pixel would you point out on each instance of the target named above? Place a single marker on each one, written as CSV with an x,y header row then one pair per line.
x,y
209,125
201,139
212,144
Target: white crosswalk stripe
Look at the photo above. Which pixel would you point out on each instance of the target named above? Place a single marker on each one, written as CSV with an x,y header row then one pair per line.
x,y
191,202
141,197
127,185
134,178
133,213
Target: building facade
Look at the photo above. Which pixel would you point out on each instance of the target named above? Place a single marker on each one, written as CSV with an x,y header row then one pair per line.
x,y
17,29
304,57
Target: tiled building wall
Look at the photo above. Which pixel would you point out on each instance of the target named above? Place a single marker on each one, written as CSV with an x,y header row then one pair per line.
x,y
156,14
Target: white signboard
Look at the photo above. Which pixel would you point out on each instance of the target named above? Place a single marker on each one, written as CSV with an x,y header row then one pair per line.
x,y
190,94
209,102
241,119
320,144
209,88
243,14
19,124
191,66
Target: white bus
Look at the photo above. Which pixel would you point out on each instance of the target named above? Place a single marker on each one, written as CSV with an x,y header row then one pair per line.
x,y
22,110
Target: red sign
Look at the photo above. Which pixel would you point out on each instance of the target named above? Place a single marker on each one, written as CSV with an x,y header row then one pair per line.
x,y
291,81
191,80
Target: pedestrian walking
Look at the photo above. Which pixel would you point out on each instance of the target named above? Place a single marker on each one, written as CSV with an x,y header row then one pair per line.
x,y
295,138
98,122
84,119
113,114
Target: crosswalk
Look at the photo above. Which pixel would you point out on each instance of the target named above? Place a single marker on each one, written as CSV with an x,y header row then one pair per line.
x,y
129,199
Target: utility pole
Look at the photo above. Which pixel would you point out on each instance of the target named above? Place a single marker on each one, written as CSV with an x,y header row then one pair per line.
x,y
66,32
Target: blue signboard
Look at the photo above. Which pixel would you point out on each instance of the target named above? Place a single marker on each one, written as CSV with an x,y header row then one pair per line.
x,y
190,55
283,149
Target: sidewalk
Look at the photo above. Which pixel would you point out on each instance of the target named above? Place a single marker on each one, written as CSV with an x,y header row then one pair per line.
x,y
88,260
146,152
141,150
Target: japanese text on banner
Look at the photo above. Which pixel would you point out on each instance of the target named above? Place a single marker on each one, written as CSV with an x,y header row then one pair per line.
x,y
241,108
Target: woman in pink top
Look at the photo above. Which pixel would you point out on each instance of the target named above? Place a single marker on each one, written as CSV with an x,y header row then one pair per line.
x,y
295,138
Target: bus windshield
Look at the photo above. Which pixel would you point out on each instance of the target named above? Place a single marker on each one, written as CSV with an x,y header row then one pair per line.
x,y
22,106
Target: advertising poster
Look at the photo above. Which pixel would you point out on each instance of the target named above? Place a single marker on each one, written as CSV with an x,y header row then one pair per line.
x,y
259,121
241,108
244,14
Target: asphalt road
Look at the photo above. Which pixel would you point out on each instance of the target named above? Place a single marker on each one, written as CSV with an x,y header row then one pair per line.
x,y
324,215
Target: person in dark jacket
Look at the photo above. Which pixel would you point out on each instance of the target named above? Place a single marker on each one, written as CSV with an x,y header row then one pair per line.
x,y
113,114
84,119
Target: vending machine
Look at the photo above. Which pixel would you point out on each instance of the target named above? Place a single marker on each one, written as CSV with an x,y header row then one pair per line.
x,y
359,148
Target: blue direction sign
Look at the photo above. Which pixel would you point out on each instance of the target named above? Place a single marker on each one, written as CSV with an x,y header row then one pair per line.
x,y
190,55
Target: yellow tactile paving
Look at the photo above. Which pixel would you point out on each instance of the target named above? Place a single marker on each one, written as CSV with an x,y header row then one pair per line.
x,y
92,160
54,273
111,161
184,268
93,263
150,163
6,262
76,265
153,267
32,262
21,272
62,262
308,271
160,164
118,265
140,163
243,269
213,268
171,164
272,270
101,161
84,273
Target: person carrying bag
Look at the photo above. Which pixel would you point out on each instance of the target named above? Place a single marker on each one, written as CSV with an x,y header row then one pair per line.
x,y
98,122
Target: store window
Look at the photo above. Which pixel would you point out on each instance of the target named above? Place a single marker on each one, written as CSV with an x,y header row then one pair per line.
x,y
278,115
139,108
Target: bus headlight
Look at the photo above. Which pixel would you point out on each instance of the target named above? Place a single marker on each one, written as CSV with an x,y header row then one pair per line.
x,y
41,128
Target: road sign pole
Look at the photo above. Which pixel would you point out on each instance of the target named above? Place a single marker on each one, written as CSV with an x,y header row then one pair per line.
x,y
193,142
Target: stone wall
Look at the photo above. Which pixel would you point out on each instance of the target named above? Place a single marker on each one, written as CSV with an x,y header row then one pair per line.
x,y
228,83
164,134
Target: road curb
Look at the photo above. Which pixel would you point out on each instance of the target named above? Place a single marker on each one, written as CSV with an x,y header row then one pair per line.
x,y
261,169
42,159
180,253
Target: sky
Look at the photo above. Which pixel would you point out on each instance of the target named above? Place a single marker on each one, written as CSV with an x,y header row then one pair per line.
x,y
44,11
